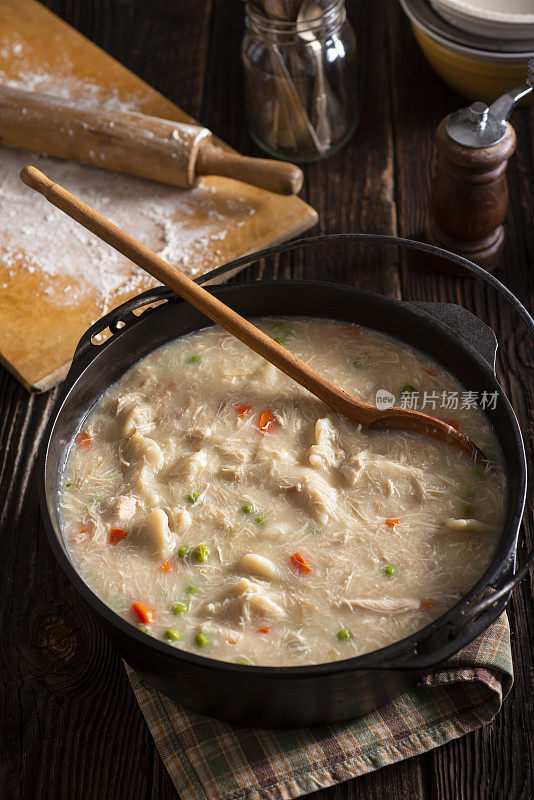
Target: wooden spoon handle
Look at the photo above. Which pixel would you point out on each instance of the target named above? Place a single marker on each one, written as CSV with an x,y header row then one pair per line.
x,y
190,291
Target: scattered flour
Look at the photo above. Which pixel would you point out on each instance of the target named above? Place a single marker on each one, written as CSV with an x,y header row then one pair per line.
x,y
186,227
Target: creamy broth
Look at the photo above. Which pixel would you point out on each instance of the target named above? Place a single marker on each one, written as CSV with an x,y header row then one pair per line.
x,y
220,507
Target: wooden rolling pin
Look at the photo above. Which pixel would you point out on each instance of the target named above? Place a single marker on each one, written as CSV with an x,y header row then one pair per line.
x,y
149,147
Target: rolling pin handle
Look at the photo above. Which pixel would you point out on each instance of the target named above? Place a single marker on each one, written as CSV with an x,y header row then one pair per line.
x,y
274,176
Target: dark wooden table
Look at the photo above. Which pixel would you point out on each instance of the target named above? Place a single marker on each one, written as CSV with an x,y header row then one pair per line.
x,y
71,727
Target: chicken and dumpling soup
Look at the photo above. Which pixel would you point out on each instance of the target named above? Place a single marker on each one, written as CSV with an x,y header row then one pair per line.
x,y
214,503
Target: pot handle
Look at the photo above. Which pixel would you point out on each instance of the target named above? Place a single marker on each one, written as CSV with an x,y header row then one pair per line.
x,y
478,607
119,319
123,317
465,324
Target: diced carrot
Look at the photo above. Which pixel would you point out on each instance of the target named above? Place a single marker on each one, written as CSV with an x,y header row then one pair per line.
x,y
351,330
242,410
168,566
143,613
265,629
392,522
427,604
116,535
299,563
83,440
267,422
231,641
431,372
79,535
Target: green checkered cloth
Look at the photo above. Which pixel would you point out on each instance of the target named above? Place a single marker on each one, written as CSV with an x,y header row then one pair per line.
x,y
211,760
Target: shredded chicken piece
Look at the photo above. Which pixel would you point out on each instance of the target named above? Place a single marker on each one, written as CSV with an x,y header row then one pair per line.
x,y
156,533
398,605
123,508
322,454
351,469
470,526
137,418
316,494
180,519
215,630
190,468
138,447
228,452
231,472
253,594
142,482
198,435
389,477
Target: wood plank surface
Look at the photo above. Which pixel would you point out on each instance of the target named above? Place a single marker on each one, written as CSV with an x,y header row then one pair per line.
x,y
69,724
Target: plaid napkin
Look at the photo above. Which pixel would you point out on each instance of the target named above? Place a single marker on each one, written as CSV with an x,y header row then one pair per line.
x,y
211,760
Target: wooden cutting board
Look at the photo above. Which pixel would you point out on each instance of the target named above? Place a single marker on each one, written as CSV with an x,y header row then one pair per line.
x,y
55,277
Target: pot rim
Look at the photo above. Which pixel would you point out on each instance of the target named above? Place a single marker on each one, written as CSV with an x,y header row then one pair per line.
x,y
396,655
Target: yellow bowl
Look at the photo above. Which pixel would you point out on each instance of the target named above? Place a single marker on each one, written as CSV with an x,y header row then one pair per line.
x,y
476,77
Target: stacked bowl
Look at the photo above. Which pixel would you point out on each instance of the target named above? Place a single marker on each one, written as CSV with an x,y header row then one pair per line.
x,y
480,48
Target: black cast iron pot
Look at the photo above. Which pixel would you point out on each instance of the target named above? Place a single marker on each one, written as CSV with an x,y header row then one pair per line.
x,y
297,696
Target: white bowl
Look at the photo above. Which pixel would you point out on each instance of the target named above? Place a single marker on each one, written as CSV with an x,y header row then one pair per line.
x,y
498,19
478,73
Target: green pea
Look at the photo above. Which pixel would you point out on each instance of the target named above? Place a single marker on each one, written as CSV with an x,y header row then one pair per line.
x,y
259,519
244,661
180,608
389,569
408,389
191,589
344,635
201,640
280,339
183,551
201,553
194,359
172,634
69,484
467,511
192,498
141,627
247,508
231,531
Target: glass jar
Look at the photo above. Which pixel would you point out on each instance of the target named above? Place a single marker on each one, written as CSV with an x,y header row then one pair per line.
x,y
300,80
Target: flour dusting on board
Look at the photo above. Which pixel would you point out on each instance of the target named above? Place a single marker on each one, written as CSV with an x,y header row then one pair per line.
x,y
162,217
183,226
60,81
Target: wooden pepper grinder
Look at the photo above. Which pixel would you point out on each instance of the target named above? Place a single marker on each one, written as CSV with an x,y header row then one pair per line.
x,y
469,197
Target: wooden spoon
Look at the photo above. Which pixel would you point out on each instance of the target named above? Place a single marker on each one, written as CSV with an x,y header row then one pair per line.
x,y
355,410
